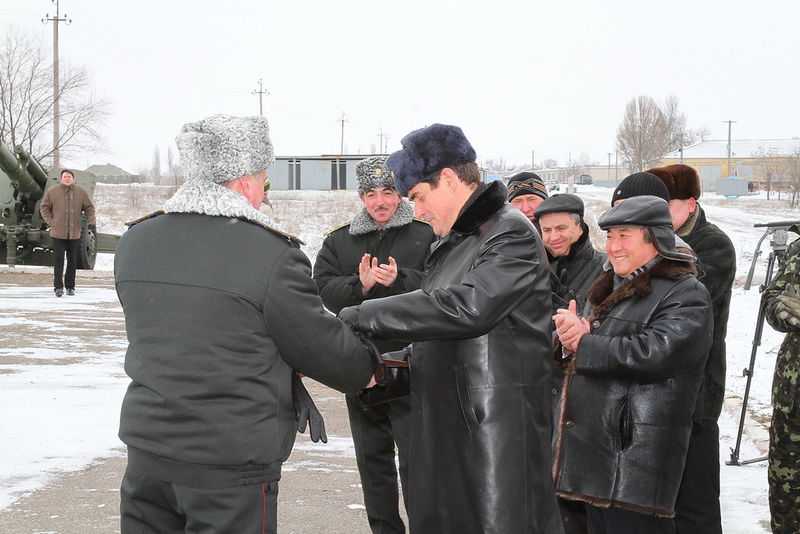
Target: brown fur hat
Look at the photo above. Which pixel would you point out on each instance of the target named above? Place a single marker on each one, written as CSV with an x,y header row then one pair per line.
x,y
681,180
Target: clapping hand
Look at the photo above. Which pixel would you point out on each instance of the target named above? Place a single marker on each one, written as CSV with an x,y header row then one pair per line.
x,y
569,327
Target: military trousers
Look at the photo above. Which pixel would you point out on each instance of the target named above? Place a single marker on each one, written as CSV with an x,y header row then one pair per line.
x,y
783,472
375,431
151,506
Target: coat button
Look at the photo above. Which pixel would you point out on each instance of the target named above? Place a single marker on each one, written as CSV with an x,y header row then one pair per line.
x,y
595,324
569,423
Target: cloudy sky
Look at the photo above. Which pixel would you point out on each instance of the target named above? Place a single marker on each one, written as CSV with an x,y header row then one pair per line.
x,y
517,76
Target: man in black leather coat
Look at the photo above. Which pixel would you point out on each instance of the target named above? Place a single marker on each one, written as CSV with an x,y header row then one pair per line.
x,y
480,359
574,265
380,253
623,436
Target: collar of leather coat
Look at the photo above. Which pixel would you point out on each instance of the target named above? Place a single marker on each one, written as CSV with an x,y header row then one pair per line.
x,y
604,298
482,204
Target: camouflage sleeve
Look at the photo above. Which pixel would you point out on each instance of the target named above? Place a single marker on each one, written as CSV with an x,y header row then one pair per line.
x,y
788,275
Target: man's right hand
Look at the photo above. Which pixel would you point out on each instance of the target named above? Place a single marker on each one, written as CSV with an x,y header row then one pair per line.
x,y
365,273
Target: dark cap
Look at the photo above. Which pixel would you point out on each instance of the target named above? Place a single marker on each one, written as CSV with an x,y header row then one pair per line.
x,y
640,183
427,151
563,203
650,212
681,180
526,183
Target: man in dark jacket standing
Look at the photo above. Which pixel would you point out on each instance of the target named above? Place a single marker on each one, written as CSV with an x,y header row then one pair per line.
x,y
219,308
61,209
698,508
574,265
622,440
480,358
380,253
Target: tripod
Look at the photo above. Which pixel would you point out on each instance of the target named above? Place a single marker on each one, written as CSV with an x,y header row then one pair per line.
x,y
780,236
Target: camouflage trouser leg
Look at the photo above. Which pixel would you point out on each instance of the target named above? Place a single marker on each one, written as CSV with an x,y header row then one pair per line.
x,y
784,472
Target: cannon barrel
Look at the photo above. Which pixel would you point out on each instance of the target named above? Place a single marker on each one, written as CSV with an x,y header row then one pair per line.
x,y
34,168
25,182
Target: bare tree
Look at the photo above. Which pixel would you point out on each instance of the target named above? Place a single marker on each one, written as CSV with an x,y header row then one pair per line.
x,y
26,101
772,166
643,136
155,169
675,124
793,176
174,169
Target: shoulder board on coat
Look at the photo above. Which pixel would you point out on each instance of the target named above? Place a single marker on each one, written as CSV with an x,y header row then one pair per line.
x,y
146,217
421,221
289,237
345,225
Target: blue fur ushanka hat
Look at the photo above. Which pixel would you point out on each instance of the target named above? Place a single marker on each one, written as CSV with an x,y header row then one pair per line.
x,y
427,151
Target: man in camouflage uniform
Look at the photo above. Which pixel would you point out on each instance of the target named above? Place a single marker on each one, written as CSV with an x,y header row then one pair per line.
x,y
782,301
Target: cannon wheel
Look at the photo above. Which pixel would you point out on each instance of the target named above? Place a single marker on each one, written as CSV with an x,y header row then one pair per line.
x,y
87,253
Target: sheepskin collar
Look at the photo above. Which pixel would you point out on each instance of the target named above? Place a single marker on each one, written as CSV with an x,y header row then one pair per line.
x,y
482,204
208,198
604,297
362,223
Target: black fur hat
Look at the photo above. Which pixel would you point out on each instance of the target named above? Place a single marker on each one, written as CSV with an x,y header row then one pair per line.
x,y
427,151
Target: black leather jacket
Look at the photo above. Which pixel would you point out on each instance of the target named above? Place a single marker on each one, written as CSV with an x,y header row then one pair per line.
x,y
480,375
629,407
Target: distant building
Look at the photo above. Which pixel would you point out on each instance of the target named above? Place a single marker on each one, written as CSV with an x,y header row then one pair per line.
x,y
710,158
316,172
602,175
111,174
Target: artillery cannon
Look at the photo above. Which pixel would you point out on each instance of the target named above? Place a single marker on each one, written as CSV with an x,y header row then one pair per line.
x,y
24,239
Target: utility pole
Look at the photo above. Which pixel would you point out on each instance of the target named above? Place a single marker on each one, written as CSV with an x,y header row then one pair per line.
x,y
616,165
533,162
341,144
383,136
260,92
341,153
729,146
56,127
609,165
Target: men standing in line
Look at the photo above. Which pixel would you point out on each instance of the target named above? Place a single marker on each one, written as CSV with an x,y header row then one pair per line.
x,y
574,265
698,508
480,359
635,375
219,308
525,192
61,209
380,253
782,301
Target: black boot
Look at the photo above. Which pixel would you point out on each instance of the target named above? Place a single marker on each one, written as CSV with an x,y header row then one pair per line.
x,y
70,291
59,291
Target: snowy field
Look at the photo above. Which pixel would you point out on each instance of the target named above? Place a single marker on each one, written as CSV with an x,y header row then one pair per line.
x,y
60,400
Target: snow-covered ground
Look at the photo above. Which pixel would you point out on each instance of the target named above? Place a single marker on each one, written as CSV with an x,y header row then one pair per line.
x,y
61,411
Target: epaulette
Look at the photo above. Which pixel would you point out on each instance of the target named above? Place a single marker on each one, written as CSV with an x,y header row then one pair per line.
x,y
148,216
422,221
289,237
329,232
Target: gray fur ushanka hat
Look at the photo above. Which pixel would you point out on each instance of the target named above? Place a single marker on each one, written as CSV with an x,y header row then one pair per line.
x,y
222,148
372,173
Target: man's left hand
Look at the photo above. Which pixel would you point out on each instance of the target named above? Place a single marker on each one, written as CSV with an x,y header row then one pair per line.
x,y
788,309
386,273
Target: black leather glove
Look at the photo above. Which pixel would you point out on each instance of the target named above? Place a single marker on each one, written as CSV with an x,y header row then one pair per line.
x,y
305,411
349,316
93,228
